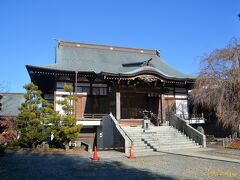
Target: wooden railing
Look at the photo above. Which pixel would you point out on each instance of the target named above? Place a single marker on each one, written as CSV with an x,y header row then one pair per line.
x,y
94,116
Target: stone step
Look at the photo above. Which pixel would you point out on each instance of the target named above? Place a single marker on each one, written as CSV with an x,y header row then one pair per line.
x,y
177,148
142,150
141,146
174,145
139,143
156,144
170,145
168,138
155,138
136,148
151,127
151,133
160,138
171,140
141,130
155,135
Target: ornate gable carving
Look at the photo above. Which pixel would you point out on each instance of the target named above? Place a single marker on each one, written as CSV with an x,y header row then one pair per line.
x,y
148,78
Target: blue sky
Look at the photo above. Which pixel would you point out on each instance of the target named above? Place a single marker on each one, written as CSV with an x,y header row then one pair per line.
x,y
183,31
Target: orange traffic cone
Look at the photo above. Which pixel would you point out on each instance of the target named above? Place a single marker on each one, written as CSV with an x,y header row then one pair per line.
x,y
131,155
95,154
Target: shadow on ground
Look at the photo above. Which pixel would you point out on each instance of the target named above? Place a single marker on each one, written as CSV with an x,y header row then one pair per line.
x,y
48,166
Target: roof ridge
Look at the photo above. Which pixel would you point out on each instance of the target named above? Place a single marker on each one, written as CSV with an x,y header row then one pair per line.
x,y
12,93
107,47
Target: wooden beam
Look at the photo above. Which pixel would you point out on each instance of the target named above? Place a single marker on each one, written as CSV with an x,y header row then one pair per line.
x,y
136,90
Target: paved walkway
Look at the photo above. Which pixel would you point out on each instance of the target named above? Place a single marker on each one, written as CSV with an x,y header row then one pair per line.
x,y
211,154
114,165
227,155
209,163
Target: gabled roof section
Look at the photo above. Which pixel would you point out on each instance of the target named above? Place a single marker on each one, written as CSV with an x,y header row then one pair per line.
x,y
10,102
82,57
137,64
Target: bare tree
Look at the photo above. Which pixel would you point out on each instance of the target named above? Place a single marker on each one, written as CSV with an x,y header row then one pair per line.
x,y
8,126
218,84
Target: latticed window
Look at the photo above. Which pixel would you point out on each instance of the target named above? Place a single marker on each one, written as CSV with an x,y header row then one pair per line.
x,y
99,89
49,98
83,87
60,85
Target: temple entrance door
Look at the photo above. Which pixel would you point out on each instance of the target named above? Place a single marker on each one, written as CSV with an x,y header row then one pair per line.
x,y
80,105
170,107
153,103
133,104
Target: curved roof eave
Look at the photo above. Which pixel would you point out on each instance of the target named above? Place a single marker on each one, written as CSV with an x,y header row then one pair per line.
x,y
55,69
136,72
150,70
147,72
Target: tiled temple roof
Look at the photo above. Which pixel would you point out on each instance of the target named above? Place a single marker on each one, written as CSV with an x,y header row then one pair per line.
x,y
82,57
10,102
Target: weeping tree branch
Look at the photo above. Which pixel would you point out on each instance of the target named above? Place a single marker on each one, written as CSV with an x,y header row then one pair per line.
x,y
218,84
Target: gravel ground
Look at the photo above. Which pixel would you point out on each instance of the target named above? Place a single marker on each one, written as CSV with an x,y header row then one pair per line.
x,y
50,166
219,150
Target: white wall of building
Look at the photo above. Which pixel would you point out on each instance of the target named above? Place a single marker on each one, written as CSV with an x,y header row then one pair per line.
x,y
182,106
60,96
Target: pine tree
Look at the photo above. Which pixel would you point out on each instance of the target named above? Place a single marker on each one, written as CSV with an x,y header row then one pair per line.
x,y
64,126
33,117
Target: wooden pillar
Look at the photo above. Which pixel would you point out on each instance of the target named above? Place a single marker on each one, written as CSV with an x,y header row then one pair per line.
x,y
118,105
76,77
75,93
54,101
159,115
163,108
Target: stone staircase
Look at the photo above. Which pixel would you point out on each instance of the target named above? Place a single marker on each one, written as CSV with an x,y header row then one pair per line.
x,y
158,139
